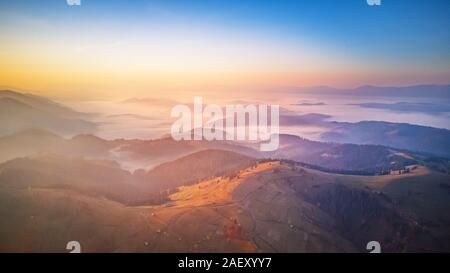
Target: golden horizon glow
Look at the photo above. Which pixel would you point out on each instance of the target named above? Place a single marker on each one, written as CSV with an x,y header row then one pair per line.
x,y
87,60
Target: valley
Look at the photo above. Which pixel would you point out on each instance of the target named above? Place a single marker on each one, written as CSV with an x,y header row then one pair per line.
x,y
61,184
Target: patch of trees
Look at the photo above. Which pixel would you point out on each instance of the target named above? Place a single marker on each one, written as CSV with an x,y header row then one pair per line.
x,y
368,172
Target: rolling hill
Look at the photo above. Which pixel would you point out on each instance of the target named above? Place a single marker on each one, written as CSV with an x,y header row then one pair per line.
x,y
194,167
268,207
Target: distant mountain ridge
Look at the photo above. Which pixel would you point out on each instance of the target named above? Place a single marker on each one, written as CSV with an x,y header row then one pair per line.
x,y
397,135
418,91
41,103
20,112
352,158
369,146
335,157
407,136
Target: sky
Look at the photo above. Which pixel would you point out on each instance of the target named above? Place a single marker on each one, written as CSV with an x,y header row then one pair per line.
x,y
152,48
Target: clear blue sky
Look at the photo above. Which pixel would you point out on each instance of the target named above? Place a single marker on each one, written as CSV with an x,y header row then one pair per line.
x,y
415,26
